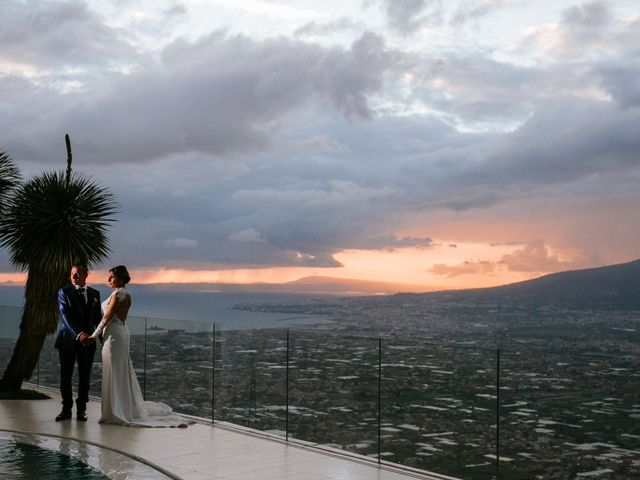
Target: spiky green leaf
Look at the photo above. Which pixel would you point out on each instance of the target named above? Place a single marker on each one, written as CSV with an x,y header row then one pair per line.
x,y
50,224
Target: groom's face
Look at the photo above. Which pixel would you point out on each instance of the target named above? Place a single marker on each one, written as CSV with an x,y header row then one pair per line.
x,y
78,276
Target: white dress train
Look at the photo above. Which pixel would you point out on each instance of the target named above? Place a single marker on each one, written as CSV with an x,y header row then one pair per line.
x,y
122,401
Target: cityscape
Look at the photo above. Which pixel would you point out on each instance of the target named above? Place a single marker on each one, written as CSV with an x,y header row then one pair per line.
x,y
395,377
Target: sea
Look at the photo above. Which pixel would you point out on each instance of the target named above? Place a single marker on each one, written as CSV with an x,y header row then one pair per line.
x,y
193,308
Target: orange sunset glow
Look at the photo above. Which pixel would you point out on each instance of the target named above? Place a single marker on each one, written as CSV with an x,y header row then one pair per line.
x,y
442,266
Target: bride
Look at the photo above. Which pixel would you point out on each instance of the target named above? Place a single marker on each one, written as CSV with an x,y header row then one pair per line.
x,y
122,402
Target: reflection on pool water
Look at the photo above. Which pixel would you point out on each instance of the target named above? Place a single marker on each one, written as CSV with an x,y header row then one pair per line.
x,y
27,457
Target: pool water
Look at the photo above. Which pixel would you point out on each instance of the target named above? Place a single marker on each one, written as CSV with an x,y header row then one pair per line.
x,y
25,456
29,462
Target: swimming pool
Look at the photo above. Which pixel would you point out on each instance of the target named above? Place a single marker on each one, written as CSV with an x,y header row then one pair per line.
x,y
27,456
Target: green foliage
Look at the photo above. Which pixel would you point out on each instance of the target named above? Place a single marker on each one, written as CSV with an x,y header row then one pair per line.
x,y
50,224
9,179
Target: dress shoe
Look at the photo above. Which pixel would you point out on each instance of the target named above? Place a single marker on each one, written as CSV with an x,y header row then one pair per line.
x,y
63,415
81,416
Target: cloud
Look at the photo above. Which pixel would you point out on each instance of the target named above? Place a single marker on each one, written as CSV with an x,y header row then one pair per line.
x,y
221,95
565,140
392,242
466,268
407,16
181,243
584,32
176,10
471,11
404,16
51,35
250,235
314,28
619,77
239,149
587,16
533,257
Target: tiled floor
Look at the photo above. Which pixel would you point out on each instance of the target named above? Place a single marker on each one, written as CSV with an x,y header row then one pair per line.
x,y
200,452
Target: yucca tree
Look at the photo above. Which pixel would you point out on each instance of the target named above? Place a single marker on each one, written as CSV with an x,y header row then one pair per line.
x,y
51,222
9,178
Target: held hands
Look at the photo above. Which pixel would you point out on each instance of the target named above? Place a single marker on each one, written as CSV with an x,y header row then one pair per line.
x,y
86,339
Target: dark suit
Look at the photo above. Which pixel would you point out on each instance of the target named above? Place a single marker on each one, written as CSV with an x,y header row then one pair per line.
x,y
76,318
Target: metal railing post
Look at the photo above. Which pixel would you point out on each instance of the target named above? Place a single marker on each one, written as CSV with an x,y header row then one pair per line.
x,y
379,399
286,414
144,379
213,372
498,414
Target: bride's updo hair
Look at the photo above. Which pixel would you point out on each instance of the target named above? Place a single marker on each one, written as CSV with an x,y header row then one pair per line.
x,y
121,273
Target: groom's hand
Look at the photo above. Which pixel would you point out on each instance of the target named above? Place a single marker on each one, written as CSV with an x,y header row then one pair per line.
x,y
85,339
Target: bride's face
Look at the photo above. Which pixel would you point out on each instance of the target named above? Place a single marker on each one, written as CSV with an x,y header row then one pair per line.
x,y
113,281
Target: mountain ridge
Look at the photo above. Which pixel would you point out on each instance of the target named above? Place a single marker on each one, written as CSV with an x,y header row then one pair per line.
x,y
611,286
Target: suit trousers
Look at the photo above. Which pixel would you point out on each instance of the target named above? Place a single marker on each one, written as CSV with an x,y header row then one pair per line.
x,y
68,358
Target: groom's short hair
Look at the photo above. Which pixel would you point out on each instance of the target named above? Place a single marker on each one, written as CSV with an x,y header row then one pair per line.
x,y
81,266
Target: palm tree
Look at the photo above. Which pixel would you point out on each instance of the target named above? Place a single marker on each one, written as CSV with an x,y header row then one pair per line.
x,y
9,178
51,222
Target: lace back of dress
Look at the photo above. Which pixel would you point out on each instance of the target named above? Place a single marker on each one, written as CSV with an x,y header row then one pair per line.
x,y
122,310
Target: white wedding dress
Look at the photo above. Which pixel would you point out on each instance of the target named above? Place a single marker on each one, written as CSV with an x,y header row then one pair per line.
x,y
122,401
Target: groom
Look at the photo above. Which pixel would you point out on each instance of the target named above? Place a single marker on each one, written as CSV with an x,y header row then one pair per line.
x,y
79,307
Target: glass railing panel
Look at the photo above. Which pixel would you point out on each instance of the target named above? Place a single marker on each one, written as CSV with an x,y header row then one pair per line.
x,y
439,408
333,391
568,412
251,378
47,372
179,364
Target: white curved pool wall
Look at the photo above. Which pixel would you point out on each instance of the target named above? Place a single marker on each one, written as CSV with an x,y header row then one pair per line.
x,y
113,465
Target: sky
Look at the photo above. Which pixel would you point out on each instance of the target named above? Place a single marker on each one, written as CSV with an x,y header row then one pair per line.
x,y
445,144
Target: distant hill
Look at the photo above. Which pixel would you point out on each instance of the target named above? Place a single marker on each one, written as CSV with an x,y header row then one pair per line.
x,y
342,286
312,285
610,287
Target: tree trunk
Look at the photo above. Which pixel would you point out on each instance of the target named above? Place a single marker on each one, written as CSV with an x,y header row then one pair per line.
x,y
39,318
25,357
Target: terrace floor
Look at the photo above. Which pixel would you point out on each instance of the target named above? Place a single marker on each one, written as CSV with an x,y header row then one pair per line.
x,y
201,451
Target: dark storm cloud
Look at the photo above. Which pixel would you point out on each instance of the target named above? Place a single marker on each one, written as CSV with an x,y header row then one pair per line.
x,y
565,145
221,95
567,139
231,151
285,211
55,34
620,79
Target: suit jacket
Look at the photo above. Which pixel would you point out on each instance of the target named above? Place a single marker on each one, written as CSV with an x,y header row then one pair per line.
x,y
74,318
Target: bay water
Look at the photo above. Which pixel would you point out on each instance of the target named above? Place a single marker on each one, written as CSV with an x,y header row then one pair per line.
x,y
179,306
